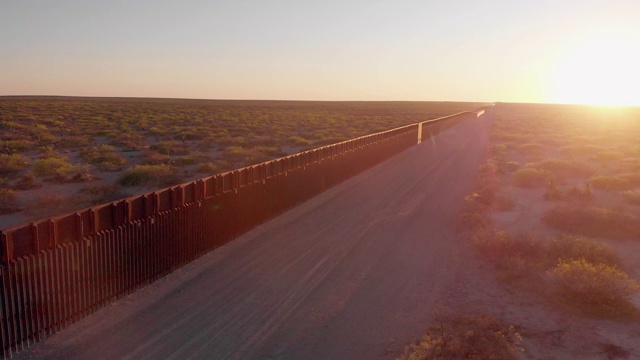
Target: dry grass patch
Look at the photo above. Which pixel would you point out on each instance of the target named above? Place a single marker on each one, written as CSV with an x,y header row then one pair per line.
x,y
467,337
594,222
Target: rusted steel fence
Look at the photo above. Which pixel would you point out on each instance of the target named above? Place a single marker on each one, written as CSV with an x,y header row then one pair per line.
x,y
57,271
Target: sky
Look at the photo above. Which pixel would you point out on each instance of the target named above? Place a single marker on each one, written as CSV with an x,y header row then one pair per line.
x,y
490,50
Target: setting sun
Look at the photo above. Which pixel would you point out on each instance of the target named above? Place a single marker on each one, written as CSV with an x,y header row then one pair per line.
x,y
602,70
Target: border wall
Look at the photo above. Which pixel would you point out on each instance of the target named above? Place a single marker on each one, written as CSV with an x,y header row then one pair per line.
x,y
57,271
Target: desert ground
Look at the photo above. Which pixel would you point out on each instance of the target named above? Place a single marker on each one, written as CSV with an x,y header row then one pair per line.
x,y
466,225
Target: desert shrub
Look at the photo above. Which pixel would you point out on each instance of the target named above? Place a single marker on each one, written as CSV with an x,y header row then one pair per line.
x,y
582,149
329,141
579,192
57,169
170,148
151,157
8,202
593,284
467,337
594,222
73,141
149,175
158,130
240,156
10,165
632,196
100,194
566,247
630,164
514,258
617,182
195,158
209,168
129,142
532,178
553,193
498,150
299,141
26,182
562,167
509,166
607,155
15,146
532,149
104,156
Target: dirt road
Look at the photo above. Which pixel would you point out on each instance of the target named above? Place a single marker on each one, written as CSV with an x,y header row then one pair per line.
x,y
353,273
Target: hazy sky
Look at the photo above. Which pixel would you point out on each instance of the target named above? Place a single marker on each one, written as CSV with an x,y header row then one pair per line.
x,y
480,50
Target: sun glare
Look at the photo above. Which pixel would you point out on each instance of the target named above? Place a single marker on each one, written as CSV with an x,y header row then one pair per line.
x,y
604,70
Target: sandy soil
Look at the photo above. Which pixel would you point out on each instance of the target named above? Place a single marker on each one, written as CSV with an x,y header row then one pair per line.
x,y
357,272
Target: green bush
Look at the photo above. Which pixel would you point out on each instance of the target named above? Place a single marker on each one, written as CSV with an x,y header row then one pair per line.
x,y
593,284
149,175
